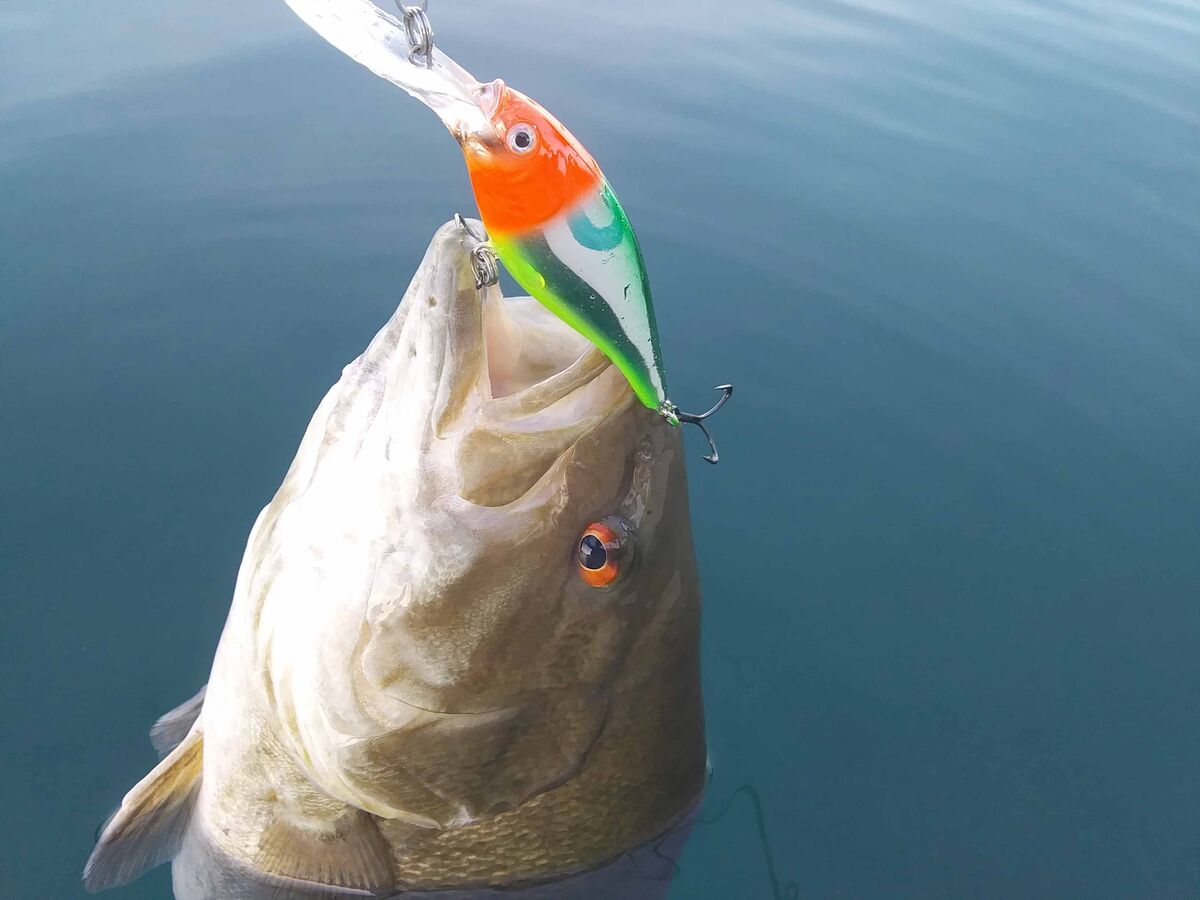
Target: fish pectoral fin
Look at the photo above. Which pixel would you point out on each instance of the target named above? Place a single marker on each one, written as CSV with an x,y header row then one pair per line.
x,y
346,856
149,827
171,728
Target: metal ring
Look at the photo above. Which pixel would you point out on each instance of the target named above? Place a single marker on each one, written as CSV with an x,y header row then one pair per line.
x,y
485,266
419,32
483,258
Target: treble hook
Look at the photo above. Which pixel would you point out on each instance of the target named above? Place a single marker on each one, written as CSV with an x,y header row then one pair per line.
x,y
697,419
419,32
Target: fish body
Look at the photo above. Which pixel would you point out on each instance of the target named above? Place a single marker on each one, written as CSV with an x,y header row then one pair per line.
x,y
462,652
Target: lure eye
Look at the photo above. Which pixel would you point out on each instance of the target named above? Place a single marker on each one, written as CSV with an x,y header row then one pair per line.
x,y
522,138
605,551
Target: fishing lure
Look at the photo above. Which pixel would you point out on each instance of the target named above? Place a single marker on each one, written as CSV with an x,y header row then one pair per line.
x,y
552,217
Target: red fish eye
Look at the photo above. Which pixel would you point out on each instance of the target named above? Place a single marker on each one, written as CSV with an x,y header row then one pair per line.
x,y
603,552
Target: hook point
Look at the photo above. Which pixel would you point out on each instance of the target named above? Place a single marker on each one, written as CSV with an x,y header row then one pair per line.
x,y
697,419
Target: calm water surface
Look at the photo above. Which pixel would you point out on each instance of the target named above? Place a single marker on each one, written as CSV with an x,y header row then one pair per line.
x,y
948,251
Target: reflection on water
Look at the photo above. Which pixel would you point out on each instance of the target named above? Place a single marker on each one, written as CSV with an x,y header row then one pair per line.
x,y
945,250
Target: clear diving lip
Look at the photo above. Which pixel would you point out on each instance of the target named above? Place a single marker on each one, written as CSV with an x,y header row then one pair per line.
x,y
379,41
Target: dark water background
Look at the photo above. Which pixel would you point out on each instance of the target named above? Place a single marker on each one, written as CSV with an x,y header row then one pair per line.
x,y
948,251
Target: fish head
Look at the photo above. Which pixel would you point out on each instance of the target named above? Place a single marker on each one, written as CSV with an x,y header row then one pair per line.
x,y
479,527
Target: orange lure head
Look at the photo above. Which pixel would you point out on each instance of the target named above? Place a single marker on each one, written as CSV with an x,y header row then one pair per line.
x,y
529,168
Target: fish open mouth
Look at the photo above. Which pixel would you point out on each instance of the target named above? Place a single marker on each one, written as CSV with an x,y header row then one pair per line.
x,y
506,364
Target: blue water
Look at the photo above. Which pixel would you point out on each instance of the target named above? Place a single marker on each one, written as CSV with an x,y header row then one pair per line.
x,y
949,253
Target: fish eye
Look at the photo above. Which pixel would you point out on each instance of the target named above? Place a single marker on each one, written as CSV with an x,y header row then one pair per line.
x,y
605,550
522,138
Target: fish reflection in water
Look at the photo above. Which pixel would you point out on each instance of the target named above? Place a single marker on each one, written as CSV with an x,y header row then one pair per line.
x,y
463,646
